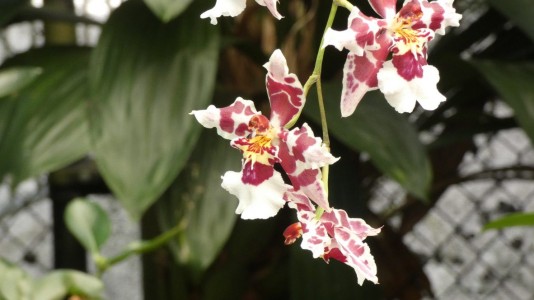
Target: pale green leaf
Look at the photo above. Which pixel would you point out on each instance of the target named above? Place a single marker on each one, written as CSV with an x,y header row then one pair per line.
x,y
15,284
59,285
146,77
375,128
89,223
43,126
166,10
13,79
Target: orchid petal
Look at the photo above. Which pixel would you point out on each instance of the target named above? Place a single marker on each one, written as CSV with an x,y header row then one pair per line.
x,y
314,235
301,155
402,94
308,149
339,218
231,121
256,200
271,6
440,14
359,76
227,8
284,90
359,36
357,254
385,8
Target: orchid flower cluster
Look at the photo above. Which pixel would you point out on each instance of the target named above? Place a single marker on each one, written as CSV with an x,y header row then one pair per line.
x,y
387,53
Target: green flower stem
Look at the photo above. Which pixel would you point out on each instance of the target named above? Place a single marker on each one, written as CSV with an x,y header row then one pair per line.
x,y
315,77
139,247
344,3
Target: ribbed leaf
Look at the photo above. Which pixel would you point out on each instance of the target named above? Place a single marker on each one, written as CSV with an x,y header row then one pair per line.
x,y
514,82
146,77
166,10
89,223
43,126
520,13
198,199
375,128
13,79
517,219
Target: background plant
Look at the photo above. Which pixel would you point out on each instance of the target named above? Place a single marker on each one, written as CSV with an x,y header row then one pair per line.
x,y
119,107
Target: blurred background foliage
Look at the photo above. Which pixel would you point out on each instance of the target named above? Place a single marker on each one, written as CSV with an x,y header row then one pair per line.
x,y
113,118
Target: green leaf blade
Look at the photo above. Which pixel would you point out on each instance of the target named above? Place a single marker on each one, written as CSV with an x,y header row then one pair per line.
x,y
43,127
520,12
517,219
198,199
513,81
146,77
89,223
375,128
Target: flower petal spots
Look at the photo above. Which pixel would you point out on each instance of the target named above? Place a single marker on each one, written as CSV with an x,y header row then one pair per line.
x,y
358,37
357,254
336,236
385,8
359,76
438,15
405,34
231,121
284,90
256,201
301,155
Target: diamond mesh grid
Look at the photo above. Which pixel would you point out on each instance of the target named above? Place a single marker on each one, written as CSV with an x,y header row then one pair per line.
x,y
460,260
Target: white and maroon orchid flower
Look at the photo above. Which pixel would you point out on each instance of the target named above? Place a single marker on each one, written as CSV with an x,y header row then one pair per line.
x,y
407,77
333,235
232,8
265,142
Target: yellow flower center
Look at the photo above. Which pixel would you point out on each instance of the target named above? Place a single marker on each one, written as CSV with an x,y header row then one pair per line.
x,y
405,37
259,149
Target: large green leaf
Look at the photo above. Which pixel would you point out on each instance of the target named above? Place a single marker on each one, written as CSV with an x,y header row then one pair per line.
x,y
520,12
89,223
146,77
64,283
166,10
375,128
514,82
13,79
198,199
517,219
43,126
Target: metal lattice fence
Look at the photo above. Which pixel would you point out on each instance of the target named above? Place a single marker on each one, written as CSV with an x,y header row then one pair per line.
x,y
26,226
460,259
